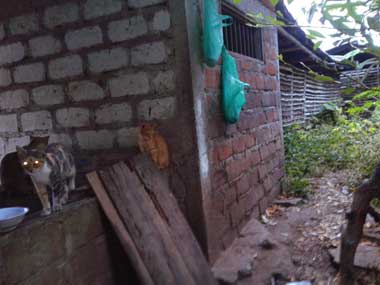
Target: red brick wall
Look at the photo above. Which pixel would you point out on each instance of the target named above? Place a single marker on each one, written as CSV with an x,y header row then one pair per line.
x,y
246,158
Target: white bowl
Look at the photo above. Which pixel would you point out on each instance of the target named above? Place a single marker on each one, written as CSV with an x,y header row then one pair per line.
x,y
11,217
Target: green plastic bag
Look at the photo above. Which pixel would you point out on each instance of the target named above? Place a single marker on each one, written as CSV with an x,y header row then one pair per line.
x,y
213,24
233,90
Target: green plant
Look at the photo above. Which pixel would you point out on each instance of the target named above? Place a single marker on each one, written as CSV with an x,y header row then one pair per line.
x,y
349,144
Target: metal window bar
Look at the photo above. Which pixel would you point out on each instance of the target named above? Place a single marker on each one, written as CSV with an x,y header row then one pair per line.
x,y
240,37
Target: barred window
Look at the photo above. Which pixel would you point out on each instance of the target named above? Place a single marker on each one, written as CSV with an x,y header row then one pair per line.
x,y
239,37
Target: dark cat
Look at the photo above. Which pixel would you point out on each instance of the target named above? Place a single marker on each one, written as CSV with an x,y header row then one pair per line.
x,y
52,171
17,187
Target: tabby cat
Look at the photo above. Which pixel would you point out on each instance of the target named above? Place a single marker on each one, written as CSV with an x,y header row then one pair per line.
x,y
52,167
151,142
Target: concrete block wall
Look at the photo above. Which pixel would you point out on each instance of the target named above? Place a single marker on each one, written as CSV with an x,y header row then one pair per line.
x,y
246,158
86,72
66,248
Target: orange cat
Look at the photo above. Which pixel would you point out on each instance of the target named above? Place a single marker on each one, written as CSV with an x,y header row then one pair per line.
x,y
151,142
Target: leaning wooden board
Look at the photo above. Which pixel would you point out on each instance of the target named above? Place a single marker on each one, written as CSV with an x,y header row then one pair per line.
x,y
152,218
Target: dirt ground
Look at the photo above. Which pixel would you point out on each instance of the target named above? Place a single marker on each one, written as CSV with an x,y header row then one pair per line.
x,y
293,243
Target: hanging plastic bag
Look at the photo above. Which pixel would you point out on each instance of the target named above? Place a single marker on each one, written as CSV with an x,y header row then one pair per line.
x,y
233,90
213,24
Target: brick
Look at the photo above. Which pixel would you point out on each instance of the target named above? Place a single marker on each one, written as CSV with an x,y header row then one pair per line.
x,y
85,91
113,113
5,77
128,137
14,99
164,82
44,45
239,144
242,185
98,8
212,78
271,68
253,157
67,66
11,53
223,150
260,82
48,95
253,177
33,121
8,123
129,84
156,109
127,29
83,38
109,59
94,140
61,14
151,53
268,100
143,3
218,178
29,73
161,20
73,117
24,24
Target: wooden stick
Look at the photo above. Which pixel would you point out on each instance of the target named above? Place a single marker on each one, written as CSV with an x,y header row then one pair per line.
x,y
354,230
117,223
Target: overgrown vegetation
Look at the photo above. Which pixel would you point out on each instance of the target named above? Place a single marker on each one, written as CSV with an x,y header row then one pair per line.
x,y
351,140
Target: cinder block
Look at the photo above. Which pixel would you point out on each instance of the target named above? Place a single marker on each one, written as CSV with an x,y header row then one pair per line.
x,y
164,82
64,139
106,60
44,45
95,140
128,137
5,77
129,84
24,24
73,117
98,8
157,109
144,3
127,29
61,14
11,143
82,38
14,99
34,121
113,113
48,95
29,73
85,91
68,66
8,123
11,53
161,21
151,53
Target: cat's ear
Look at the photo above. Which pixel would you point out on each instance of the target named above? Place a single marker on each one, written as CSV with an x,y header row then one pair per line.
x,y
21,152
39,142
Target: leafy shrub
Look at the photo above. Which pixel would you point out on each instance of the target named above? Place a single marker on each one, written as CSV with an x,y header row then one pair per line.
x,y
349,144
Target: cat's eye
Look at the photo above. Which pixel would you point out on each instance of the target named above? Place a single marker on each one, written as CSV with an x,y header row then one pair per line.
x,y
25,163
36,162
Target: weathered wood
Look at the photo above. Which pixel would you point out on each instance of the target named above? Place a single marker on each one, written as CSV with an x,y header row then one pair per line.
x,y
157,185
146,226
354,230
118,226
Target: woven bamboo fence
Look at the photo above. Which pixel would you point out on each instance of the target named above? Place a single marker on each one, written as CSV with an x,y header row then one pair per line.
x,y
302,96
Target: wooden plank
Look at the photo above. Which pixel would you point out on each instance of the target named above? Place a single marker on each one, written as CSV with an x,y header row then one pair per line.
x,y
118,225
146,226
157,185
